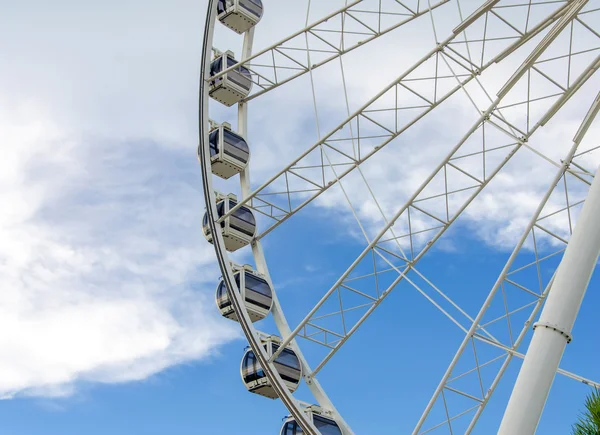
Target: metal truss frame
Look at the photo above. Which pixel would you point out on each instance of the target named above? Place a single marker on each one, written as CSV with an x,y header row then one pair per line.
x,y
331,37
252,335
455,200
362,134
509,278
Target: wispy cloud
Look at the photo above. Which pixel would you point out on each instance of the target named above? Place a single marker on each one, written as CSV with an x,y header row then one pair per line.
x,y
105,275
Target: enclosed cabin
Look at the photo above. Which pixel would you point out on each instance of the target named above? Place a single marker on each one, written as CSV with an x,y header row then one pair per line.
x,y
231,87
324,424
254,290
239,15
238,229
229,152
287,365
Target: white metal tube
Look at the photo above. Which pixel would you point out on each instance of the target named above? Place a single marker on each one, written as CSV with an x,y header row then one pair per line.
x,y
553,331
225,265
261,264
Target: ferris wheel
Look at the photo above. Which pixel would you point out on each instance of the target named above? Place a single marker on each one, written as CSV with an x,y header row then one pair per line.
x,y
520,64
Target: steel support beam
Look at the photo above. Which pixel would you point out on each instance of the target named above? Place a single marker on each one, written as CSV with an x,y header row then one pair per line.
x,y
553,331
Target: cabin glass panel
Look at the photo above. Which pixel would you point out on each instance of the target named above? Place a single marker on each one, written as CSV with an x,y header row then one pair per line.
x,y
241,69
213,140
216,67
221,208
222,296
288,365
240,76
326,426
223,5
291,428
221,211
254,7
287,358
242,219
235,146
251,369
258,292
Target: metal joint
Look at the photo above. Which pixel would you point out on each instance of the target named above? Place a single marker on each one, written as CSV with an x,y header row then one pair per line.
x,y
556,328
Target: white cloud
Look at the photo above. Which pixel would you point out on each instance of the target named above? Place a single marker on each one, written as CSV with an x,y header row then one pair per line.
x,y
105,275
282,126
500,214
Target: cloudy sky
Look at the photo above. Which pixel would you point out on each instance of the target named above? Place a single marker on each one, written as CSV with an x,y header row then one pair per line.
x,y
106,281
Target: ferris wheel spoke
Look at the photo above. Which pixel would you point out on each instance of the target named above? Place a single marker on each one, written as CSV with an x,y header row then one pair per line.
x,y
582,170
325,40
511,351
560,42
523,285
582,162
487,134
394,110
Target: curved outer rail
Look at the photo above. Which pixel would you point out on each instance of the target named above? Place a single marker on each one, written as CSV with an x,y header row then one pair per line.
x,y
222,255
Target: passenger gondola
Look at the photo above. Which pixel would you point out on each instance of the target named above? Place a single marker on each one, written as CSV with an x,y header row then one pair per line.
x,y
255,291
239,15
238,229
233,86
287,365
229,152
325,425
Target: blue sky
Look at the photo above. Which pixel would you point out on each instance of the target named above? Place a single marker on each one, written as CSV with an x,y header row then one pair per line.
x,y
107,301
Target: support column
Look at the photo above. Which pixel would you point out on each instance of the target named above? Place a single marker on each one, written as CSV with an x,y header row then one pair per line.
x,y
553,331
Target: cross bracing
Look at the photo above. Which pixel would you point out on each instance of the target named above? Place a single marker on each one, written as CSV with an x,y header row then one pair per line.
x,y
357,23
399,106
415,228
512,305
486,37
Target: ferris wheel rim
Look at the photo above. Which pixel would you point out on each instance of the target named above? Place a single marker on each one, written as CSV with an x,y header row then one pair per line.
x,y
221,252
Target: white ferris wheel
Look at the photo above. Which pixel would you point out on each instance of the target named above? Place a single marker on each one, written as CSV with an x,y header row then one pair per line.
x,y
518,65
